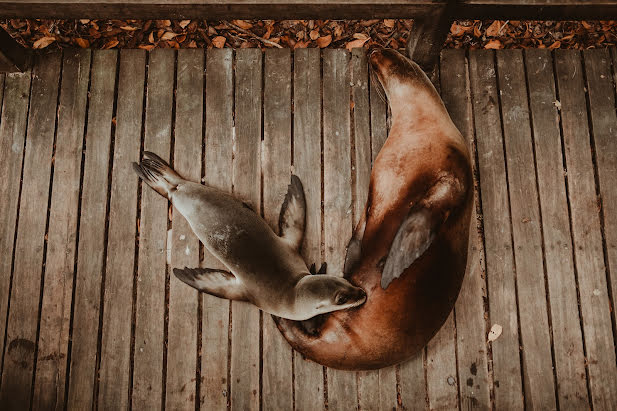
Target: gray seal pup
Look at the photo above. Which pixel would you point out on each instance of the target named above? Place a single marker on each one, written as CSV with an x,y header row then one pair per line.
x,y
264,269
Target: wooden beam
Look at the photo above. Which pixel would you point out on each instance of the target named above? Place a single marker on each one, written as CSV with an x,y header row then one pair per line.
x,y
13,57
428,35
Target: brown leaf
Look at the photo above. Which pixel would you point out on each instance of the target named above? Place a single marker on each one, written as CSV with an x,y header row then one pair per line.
x,y
301,45
314,34
219,42
168,35
192,44
43,42
111,44
389,23
457,30
360,36
493,29
476,31
151,37
586,25
493,44
184,23
555,45
128,28
324,41
356,43
243,24
146,46
83,43
84,21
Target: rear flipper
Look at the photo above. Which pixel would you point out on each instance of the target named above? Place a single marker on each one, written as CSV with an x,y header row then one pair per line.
x,y
211,281
157,174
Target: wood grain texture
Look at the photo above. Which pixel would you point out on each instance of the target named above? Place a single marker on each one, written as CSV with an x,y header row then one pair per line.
x,y
91,248
13,123
525,214
218,173
152,257
565,317
497,231
590,268
473,379
308,376
277,388
117,312
247,187
23,315
181,386
338,224
50,376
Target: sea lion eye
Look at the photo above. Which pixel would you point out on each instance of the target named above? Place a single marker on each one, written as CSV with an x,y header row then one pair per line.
x,y
341,299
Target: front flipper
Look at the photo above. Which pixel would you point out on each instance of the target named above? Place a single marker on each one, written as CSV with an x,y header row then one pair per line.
x,y
417,232
219,283
293,214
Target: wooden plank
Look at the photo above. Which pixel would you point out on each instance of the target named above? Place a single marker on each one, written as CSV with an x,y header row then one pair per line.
x,y
23,316
247,186
604,122
219,150
118,304
473,379
50,375
497,231
342,387
181,386
525,214
376,389
277,388
13,122
589,258
308,376
565,319
413,383
92,231
152,257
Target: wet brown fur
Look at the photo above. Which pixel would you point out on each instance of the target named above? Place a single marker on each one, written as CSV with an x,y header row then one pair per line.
x,y
423,146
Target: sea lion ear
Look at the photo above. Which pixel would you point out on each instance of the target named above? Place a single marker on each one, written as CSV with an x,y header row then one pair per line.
x,y
293,214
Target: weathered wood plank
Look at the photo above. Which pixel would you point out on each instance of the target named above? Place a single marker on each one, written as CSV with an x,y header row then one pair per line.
x,y
376,389
604,125
309,382
497,231
277,386
473,380
219,150
117,312
413,383
13,122
50,376
247,186
589,258
181,386
342,387
91,248
525,214
152,257
23,316
565,319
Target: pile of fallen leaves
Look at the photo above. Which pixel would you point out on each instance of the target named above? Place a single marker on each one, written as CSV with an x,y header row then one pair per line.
x,y
150,34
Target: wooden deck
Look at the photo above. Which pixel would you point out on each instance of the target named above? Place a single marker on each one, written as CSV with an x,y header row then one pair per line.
x,y
90,315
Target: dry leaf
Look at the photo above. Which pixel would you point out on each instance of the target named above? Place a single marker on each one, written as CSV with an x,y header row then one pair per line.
x,y
314,34
168,35
495,332
192,44
43,42
324,41
355,43
493,44
184,23
83,43
586,25
146,46
389,23
84,21
493,29
219,42
360,36
243,24
111,44
128,28
151,38
301,45
555,45
457,30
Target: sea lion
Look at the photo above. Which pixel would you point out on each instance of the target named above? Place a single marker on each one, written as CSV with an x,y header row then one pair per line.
x,y
409,249
264,269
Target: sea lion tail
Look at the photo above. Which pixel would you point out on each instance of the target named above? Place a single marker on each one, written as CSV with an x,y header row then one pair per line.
x,y
157,174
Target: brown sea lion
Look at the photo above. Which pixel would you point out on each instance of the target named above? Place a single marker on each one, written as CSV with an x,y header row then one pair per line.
x,y
409,250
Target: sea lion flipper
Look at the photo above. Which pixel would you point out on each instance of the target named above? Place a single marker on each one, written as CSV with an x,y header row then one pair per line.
x,y
219,283
353,255
293,214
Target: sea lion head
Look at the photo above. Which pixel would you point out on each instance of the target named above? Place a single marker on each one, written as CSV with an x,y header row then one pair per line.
x,y
395,72
319,294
